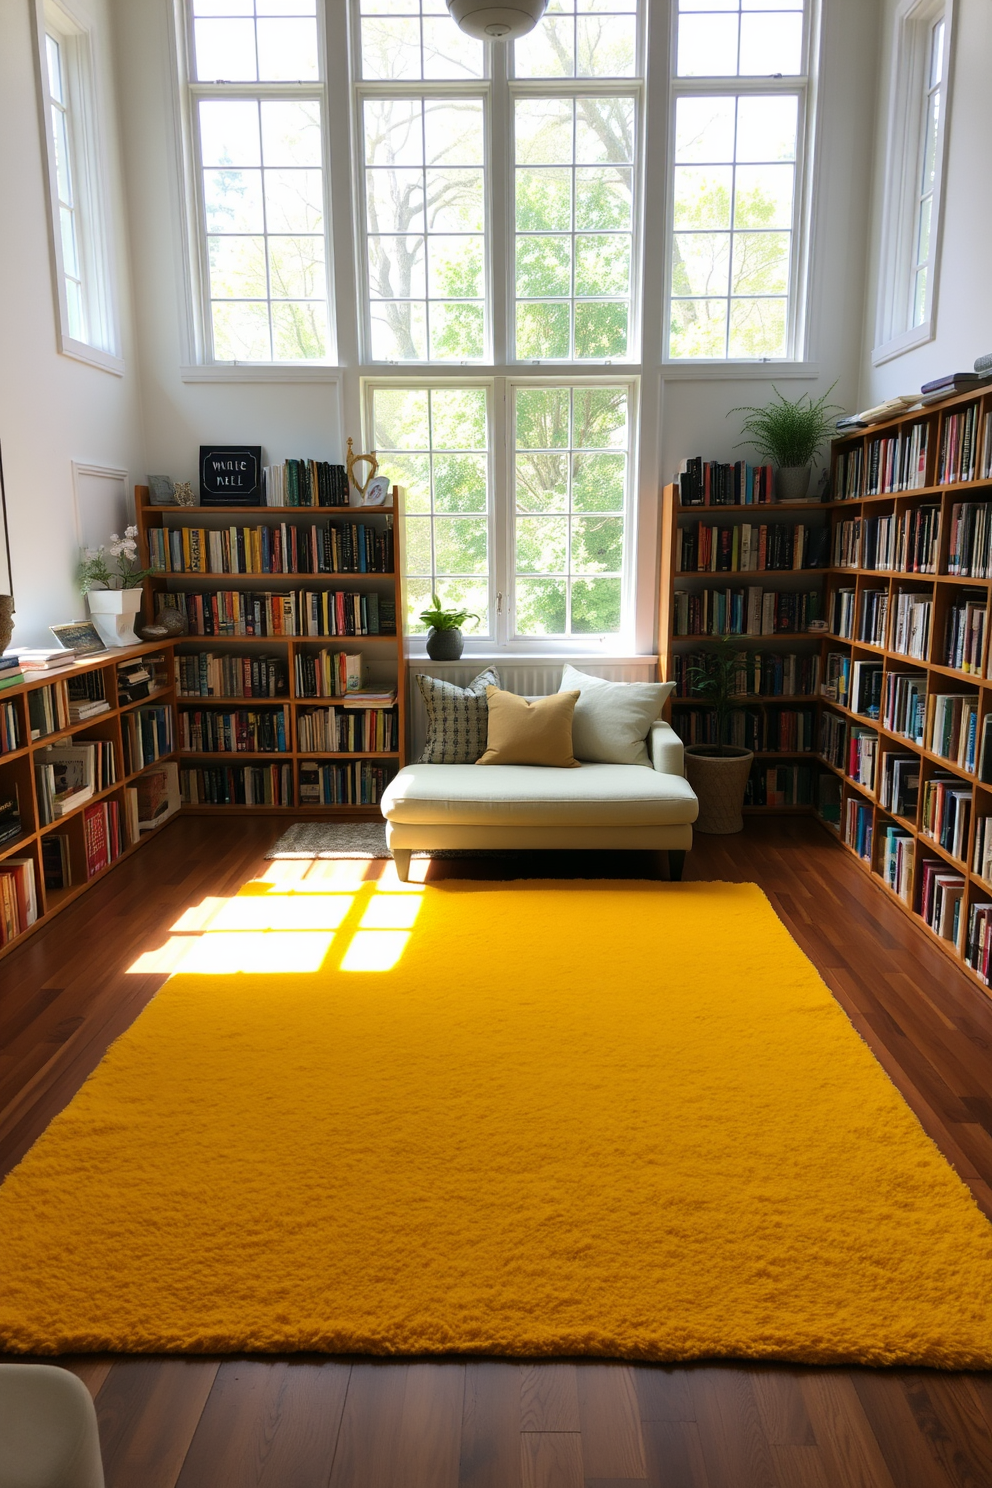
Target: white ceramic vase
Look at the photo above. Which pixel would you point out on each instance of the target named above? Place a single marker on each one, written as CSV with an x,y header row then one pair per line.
x,y
113,613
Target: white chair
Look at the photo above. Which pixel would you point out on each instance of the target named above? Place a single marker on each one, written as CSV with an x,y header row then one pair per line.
x,y
48,1430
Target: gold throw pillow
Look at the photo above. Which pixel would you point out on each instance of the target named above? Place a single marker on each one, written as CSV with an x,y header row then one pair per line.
x,y
524,733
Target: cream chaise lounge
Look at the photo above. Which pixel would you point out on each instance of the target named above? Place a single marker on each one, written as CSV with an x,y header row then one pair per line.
x,y
602,807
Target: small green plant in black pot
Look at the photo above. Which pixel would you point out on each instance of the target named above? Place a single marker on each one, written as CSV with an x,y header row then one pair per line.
x,y
444,633
787,433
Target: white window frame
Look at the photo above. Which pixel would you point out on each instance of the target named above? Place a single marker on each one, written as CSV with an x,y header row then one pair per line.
x,y
499,91
803,85
501,391
198,275
74,31
895,333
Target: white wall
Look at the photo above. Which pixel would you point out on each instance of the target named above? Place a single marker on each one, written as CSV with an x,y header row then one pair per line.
x,y
682,413
53,410
964,284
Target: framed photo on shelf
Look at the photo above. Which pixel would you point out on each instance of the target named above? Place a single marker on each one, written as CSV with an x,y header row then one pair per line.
x,y
78,636
377,491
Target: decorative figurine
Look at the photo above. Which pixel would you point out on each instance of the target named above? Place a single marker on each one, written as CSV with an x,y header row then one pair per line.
x,y
354,460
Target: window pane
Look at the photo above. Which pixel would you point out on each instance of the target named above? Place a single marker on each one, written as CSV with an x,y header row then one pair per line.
x,y
605,46
588,270
433,443
225,51
570,481
731,38
287,49
74,306
596,38
732,179
53,56
265,227
407,40
425,215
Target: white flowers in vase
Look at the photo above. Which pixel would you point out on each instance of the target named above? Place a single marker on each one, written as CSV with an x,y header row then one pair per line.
x,y
96,572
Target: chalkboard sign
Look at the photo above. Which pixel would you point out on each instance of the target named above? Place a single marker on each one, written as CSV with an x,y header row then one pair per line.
x,y
231,475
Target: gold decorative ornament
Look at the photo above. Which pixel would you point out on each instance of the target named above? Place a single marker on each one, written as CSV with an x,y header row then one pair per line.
x,y
184,494
354,460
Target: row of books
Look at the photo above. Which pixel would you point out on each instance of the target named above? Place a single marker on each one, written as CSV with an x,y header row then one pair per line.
x,y
907,542
328,673
86,696
10,728
779,730
833,739
782,785
904,704
56,861
978,941
18,898
874,616
241,731
237,785
896,861
237,612
743,548
347,730
48,710
866,688
147,734
104,834
944,815
359,783
953,727
305,483
969,549
862,755
941,898
206,674
67,776
859,822
751,611
899,785
758,673
958,454
981,860
287,549
849,474
708,483
964,636
897,462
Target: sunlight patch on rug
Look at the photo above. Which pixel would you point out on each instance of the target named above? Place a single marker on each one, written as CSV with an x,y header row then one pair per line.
x,y
533,1118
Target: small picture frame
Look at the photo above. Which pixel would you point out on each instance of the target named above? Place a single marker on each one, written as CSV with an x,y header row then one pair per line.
x,y
161,490
377,491
78,636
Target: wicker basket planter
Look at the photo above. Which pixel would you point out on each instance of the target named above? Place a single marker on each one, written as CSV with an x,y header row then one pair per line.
x,y
719,778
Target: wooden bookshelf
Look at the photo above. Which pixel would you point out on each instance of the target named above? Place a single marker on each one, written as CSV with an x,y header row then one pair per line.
x,y
383,653
857,501
676,518
17,772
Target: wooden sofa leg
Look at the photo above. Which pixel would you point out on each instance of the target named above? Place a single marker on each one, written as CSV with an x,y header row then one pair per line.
x,y
676,862
401,857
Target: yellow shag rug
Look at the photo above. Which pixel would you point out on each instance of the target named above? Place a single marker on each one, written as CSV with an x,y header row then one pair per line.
x,y
529,1119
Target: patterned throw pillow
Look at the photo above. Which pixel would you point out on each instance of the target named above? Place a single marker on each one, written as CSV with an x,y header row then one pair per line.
x,y
457,718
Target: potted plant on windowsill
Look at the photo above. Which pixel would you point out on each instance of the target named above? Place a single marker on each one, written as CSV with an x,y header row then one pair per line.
x,y
113,592
444,635
718,772
787,434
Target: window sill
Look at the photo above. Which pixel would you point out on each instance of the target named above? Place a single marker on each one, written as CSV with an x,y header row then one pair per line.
x,y
469,658
260,372
908,341
705,371
92,356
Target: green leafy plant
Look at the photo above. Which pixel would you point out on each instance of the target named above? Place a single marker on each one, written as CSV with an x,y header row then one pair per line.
x,y
786,432
718,683
440,619
95,571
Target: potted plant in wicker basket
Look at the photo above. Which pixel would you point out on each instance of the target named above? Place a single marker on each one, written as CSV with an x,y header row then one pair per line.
x,y
787,434
718,772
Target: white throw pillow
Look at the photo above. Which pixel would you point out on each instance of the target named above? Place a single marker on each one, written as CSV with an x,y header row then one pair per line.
x,y
612,719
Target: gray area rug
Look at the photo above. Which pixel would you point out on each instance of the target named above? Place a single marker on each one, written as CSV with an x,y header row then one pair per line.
x,y
363,839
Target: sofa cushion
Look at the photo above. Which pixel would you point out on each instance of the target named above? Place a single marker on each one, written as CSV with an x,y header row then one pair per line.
x,y
457,718
612,719
525,732
538,796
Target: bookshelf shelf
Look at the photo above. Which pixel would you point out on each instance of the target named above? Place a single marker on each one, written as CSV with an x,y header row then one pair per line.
x,y
383,652
18,768
958,439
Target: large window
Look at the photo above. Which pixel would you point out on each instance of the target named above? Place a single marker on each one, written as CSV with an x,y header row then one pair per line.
x,y
736,163
930,133
78,211
258,135
911,195
553,563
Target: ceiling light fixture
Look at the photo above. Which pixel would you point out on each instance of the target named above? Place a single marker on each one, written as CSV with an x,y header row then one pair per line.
x,y
497,22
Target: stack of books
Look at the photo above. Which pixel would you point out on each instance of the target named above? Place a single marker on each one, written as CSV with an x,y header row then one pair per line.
x,y
134,681
11,672
86,696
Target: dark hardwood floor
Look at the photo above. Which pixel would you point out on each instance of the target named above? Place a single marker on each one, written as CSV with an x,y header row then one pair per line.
x,y
308,1422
